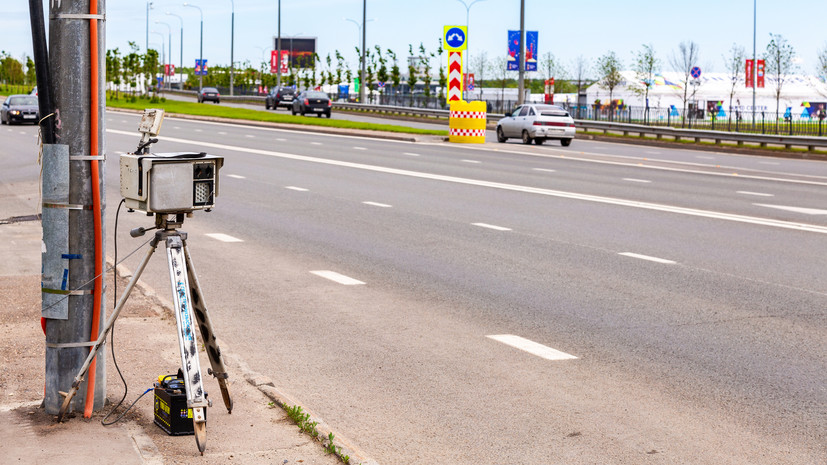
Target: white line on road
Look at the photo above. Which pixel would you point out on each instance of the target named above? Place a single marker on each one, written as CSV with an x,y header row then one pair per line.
x,y
512,187
294,188
806,211
773,163
471,161
645,181
338,278
491,226
222,133
704,157
316,143
250,136
235,176
376,204
758,194
410,154
647,257
532,347
223,237
545,170
359,148
199,130
278,139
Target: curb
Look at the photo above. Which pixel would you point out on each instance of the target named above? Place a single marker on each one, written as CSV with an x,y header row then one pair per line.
x,y
261,382
296,127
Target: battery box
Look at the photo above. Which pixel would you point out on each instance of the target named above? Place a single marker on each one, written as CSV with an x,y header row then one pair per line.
x,y
171,412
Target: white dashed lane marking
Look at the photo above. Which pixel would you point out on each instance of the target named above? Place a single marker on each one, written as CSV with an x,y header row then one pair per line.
x,y
491,226
806,211
411,154
315,143
471,161
758,194
338,278
294,188
359,148
644,181
376,204
235,176
544,170
648,258
223,237
532,347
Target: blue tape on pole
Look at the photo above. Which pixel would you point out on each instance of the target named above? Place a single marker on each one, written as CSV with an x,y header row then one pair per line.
x,y
71,256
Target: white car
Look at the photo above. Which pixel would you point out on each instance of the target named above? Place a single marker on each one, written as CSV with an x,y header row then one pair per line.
x,y
538,123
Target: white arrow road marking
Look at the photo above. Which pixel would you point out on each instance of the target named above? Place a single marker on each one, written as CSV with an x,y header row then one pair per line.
x,y
806,211
532,347
338,278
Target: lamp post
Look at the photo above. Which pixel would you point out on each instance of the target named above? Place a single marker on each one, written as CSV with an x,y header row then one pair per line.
x,y
754,58
232,43
361,29
169,46
181,58
148,7
278,48
201,47
163,53
521,86
467,48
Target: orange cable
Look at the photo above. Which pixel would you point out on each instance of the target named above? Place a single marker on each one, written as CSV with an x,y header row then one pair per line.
x,y
96,204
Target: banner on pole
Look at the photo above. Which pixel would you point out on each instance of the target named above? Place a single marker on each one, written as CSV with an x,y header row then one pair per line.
x,y
201,67
514,51
285,57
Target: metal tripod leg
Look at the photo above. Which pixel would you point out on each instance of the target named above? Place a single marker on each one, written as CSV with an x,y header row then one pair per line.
x,y
108,327
207,334
187,341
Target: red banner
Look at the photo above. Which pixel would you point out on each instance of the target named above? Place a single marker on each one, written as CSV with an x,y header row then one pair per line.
x,y
760,70
284,60
169,70
748,72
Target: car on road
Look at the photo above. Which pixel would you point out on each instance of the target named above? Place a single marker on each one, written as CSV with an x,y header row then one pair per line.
x,y
537,123
312,101
209,93
279,97
19,108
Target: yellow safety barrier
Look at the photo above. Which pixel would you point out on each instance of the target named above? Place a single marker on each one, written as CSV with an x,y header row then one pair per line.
x,y
467,122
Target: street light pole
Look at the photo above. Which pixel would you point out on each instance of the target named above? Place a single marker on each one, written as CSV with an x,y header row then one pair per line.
x,y
362,83
467,58
521,88
232,43
148,7
169,47
278,49
181,81
201,47
754,57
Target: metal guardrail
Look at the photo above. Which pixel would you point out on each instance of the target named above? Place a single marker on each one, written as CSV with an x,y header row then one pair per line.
x,y
811,142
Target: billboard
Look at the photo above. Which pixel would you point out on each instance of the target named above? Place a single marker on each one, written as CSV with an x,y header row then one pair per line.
x,y
300,50
514,51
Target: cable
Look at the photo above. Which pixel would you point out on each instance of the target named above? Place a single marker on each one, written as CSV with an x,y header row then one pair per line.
x,y
104,423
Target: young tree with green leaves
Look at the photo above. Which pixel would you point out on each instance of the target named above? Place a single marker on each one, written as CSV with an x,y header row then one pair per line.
x,y
687,58
646,65
396,75
411,72
31,76
608,71
132,64
779,64
425,61
11,70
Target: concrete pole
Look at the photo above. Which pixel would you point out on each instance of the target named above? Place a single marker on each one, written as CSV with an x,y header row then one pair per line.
x,y
754,57
362,83
232,45
69,49
521,89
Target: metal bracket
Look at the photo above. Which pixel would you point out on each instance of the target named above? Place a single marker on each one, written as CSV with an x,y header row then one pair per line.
x,y
64,292
77,16
68,206
87,158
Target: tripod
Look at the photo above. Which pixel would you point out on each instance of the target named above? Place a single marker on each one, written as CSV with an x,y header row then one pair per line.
x,y
188,302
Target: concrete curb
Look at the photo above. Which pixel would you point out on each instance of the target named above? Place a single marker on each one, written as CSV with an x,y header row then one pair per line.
x,y
299,127
263,383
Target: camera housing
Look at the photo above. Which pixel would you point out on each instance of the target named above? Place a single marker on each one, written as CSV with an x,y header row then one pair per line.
x,y
178,182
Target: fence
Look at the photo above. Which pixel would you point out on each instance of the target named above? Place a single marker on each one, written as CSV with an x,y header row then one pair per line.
x,y
787,123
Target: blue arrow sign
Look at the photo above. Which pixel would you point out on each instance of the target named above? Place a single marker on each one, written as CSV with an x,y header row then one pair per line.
x,y
455,38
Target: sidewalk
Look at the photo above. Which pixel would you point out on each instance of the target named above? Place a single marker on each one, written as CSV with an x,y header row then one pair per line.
x,y
257,432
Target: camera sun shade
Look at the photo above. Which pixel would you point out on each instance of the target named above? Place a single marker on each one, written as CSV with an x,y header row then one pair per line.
x,y
170,182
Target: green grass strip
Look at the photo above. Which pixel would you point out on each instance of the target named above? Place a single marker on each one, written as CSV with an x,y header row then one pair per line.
x,y
213,110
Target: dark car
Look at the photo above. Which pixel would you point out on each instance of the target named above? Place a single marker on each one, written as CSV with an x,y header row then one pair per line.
x,y
312,101
19,108
279,97
209,93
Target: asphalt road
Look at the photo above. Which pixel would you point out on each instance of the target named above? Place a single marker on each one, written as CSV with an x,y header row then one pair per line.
x,y
690,290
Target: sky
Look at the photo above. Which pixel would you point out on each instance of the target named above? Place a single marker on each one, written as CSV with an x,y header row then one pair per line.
x,y
587,28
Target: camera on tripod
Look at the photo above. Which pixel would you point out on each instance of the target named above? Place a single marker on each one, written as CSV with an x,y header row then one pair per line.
x,y
167,182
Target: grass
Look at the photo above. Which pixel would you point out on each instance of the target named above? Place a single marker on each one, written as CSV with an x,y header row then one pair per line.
x,y
302,420
213,110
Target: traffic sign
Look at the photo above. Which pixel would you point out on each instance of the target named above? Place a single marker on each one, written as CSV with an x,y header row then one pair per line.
x,y
695,72
455,38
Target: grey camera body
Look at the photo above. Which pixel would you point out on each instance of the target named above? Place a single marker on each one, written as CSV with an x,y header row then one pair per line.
x,y
170,182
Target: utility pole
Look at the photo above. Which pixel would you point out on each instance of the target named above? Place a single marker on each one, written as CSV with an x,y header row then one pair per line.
x,y
754,57
362,83
73,223
521,89
232,45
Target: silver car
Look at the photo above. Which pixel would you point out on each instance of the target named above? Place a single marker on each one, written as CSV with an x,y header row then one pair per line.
x,y
538,123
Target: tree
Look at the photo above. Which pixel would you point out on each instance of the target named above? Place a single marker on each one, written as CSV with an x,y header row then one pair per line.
x,y
150,67
11,70
443,78
131,67
396,76
31,76
683,62
779,64
479,65
382,72
425,61
608,72
499,69
821,66
645,67
113,69
411,72
340,65
735,71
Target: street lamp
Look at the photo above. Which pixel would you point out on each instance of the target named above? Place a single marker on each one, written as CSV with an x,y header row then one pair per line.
x,y
467,15
232,43
181,81
148,7
163,46
169,45
201,47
